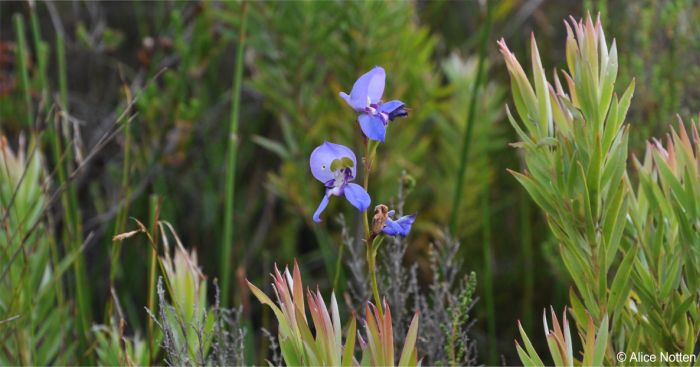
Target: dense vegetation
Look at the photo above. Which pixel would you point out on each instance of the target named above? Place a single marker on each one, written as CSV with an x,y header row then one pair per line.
x,y
154,171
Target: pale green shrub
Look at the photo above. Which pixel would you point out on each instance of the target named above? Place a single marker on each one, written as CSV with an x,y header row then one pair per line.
x,y
34,317
630,249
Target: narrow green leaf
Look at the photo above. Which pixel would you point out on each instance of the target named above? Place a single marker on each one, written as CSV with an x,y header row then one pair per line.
x,y
524,358
621,284
349,348
532,353
271,145
601,343
608,77
410,342
625,102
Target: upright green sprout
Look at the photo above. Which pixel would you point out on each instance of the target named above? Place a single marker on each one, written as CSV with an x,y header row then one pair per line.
x,y
34,320
631,249
300,346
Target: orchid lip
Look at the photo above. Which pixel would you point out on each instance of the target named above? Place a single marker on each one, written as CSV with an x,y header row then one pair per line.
x,y
343,176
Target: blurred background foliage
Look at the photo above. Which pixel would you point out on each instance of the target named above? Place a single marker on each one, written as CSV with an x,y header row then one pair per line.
x,y
173,62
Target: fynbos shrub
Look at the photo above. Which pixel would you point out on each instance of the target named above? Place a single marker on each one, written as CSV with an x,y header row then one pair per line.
x,y
630,249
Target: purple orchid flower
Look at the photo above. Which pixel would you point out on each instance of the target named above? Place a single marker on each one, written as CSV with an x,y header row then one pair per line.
x,y
366,99
335,166
399,227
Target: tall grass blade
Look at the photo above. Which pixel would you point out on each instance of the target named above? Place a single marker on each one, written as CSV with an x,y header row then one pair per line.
x,y
468,132
154,207
69,200
22,57
227,243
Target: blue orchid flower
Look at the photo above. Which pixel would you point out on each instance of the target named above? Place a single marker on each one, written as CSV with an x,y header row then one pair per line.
x,y
366,99
400,227
335,166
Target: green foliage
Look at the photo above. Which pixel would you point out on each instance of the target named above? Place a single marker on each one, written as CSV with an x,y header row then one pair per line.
x,y
627,237
115,349
627,249
187,288
300,347
457,345
34,317
300,78
561,347
662,216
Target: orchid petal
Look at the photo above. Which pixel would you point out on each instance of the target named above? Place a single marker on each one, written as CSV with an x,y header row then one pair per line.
x,y
391,106
367,89
321,207
322,159
375,89
357,196
372,126
393,109
400,227
346,97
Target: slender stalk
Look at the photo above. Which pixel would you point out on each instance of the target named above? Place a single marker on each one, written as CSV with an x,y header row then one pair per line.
x,y
123,210
488,277
466,142
69,201
41,52
120,223
154,207
23,67
227,243
371,262
370,151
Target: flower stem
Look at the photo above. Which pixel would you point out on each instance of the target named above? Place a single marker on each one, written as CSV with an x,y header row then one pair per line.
x,y
371,263
370,150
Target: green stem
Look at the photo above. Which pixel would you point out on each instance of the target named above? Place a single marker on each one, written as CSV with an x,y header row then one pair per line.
x,y
122,214
41,52
371,263
154,206
23,67
466,142
69,199
370,151
227,243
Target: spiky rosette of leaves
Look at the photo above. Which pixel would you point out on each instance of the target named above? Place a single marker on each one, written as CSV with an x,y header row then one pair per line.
x,y
298,345
186,320
560,343
378,350
301,346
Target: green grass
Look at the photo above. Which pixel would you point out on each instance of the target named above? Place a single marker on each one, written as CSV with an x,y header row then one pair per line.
x,y
225,101
227,243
